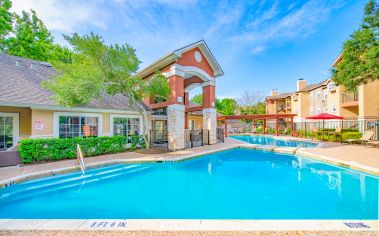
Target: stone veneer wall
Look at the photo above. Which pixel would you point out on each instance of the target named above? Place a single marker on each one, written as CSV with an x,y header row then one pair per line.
x,y
210,123
175,127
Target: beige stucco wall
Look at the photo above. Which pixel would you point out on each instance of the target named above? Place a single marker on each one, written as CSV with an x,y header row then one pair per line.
x,y
47,117
198,121
24,119
303,104
369,100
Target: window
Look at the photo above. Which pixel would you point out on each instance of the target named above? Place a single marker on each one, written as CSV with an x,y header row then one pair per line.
x,y
311,110
326,109
296,111
331,86
334,108
78,126
125,125
318,94
325,94
318,109
311,95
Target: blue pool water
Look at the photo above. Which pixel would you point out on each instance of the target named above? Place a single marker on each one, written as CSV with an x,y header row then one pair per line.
x,y
267,140
234,184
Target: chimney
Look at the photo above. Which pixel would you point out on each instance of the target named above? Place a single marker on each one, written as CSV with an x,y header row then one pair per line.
x,y
301,83
274,92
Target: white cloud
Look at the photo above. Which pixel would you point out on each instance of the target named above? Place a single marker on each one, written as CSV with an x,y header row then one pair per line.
x,y
65,16
258,49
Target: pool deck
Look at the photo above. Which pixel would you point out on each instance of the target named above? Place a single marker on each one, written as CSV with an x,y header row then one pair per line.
x,y
354,156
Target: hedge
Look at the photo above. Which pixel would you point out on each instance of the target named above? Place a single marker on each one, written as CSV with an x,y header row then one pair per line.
x,y
351,135
52,149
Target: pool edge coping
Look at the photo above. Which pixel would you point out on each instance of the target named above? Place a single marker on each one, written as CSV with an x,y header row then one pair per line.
x,y
288,150
196,225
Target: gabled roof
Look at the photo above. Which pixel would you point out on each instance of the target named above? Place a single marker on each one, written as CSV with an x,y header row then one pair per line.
x,y
279,96
314,86
21,85
174,55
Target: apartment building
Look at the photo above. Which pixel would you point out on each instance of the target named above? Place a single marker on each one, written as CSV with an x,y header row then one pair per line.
x,y
278,103
327,97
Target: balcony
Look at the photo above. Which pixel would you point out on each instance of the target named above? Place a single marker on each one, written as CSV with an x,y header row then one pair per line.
x,y
349,100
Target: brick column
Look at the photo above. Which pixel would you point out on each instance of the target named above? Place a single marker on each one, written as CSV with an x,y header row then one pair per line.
x,y
209,112
175,127
177,89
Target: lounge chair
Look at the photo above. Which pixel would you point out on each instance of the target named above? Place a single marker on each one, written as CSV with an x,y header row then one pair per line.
x,y
366,137
373,143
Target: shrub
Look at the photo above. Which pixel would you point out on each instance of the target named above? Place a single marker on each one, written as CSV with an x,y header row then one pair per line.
x,y
351,135
51,149
259,129
350,130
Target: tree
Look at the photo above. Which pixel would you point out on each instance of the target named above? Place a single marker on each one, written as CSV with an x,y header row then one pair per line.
x,y
97,70
29,37
197,99
226,106
250,102
360,54
5,18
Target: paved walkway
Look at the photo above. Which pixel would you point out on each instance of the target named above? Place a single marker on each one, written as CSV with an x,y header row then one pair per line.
x,y
362,157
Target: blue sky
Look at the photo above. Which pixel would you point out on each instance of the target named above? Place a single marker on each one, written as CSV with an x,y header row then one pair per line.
x,y
260,45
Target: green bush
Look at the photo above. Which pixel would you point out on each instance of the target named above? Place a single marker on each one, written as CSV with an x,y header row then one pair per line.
x,y
350,130
351,135
51,149
259,129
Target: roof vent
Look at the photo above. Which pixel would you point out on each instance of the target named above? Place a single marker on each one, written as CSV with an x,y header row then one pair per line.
x,y
18,63
45,64
33,66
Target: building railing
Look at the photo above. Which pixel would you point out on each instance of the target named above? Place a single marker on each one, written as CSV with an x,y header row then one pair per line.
x,y
160,112
349,97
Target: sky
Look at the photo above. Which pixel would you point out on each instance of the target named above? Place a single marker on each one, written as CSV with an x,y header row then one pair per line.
x,y
261,45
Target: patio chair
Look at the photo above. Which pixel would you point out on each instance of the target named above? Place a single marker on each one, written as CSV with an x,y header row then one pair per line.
x,y
366,137
315,132
336,133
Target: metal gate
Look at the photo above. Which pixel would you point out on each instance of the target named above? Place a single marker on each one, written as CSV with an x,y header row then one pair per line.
x,y
159,139
220,135
196,138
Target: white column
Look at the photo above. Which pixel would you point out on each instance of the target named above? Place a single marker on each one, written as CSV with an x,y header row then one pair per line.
x,y
210,123
175,127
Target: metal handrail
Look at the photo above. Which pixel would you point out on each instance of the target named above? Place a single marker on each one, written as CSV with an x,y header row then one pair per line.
x,y
79,156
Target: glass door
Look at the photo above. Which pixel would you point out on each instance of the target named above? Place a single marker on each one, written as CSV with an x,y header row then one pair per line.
x,y
6,132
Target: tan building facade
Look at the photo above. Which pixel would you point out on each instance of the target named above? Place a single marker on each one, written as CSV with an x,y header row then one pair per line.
x,y
328,97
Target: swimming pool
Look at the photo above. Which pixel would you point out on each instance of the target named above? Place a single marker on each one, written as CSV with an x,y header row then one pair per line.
x,y
267,140
233,184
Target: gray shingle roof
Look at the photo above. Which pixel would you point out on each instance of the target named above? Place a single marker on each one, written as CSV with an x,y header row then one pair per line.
x,y
314,86
21,84
279,96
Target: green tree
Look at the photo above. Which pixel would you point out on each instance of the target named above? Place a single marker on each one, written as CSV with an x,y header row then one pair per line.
x,y
97,70
5,18
360,54
30,38
197,99
226,106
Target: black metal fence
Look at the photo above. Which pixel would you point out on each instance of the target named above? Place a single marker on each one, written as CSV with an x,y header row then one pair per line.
x,y
159,139
220,135
196,138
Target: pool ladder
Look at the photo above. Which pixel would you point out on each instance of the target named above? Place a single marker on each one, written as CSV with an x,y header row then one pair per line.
x,y
79,156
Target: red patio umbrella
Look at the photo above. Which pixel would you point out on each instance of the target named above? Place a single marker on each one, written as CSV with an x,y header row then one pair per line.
x,y
323,117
